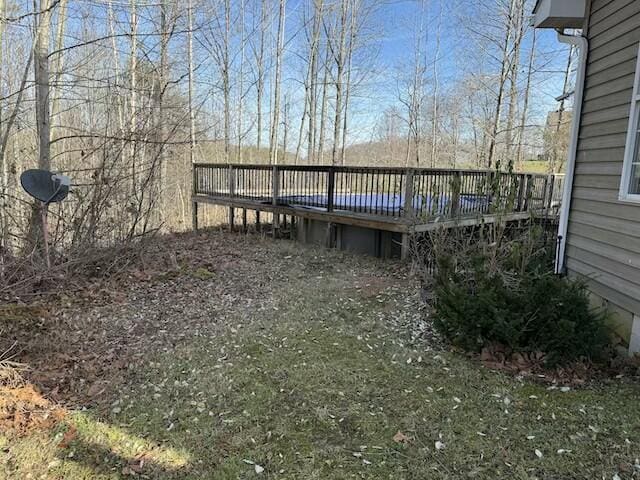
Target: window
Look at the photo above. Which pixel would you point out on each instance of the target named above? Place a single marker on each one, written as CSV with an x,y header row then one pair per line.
x,y
630,184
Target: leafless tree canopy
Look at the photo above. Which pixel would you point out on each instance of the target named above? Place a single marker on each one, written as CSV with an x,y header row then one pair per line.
x,y
123,95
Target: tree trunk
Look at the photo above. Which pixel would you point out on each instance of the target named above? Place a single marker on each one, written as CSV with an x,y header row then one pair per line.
x,y
323,108
116,69
273,144
226,85
260,68
347,91
163,187
553,167
43,118
339,59
192,119
313,79
4,171
285,127
525,106
241,81
504,69
436,92
518,28
55,107
133,85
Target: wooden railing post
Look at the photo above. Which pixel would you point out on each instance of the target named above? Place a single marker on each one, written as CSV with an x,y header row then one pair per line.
x,y
455,193
232,193
490,193
275,193
407,204
331,185
232,181
408,212
551,186
520,191
527,200
275,185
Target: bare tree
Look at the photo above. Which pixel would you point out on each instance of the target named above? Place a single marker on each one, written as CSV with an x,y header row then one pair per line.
x,y
324,105
436,92
518,27
273,144
260,68
241,80
133,93
62,21
525,106
412,93
43,117
504,71
339,57
318,13
192,118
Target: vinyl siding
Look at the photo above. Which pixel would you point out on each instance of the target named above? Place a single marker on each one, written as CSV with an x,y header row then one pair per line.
x,y
603,242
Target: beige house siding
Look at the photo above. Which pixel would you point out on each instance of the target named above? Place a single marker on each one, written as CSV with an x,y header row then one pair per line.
x,y
603,241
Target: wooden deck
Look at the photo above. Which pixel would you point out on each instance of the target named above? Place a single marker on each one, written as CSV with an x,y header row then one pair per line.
x,y
403,200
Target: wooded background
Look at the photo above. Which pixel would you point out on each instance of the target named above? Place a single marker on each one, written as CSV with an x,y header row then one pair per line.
x,y
123,95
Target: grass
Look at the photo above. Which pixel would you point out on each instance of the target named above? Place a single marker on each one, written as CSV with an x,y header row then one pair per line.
x,y
535,166
315,384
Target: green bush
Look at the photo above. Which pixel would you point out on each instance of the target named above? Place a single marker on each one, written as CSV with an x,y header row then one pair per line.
x,y
500,290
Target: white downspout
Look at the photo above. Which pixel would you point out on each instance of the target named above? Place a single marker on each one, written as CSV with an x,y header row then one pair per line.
x,y
582,44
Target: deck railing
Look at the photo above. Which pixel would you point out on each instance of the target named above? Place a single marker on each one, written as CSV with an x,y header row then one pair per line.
x,y
382,191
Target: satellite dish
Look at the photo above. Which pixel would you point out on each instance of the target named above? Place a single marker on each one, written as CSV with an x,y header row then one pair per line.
x,y
45,186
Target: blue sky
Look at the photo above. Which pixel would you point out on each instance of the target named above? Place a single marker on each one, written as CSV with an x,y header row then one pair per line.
x,y
399,20
392,39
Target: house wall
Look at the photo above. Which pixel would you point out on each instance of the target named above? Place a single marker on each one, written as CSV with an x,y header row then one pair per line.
x,y
603,239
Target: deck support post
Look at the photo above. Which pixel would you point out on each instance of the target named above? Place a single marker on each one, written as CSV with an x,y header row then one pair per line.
x,y
232,219
405,248
330,230
194,216
232,193
244,220
258,226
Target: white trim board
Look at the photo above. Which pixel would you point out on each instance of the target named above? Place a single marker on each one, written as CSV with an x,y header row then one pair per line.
x,y
631,149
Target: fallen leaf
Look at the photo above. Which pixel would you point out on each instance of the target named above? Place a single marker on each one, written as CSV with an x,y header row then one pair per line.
x,y
400,438
68,437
